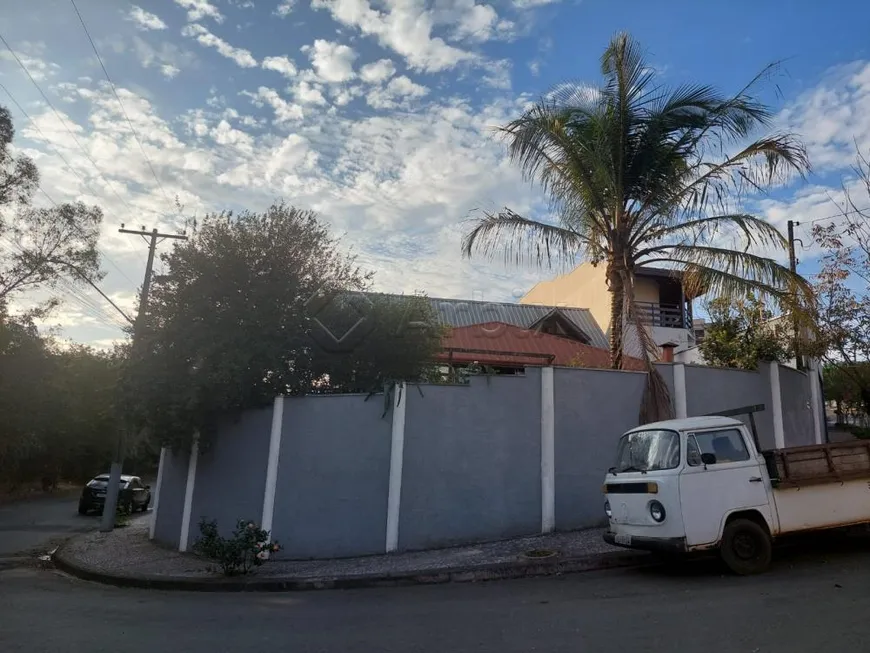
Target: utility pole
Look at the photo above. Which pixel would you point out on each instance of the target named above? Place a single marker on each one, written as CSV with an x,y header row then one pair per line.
x,y
792,264
153,238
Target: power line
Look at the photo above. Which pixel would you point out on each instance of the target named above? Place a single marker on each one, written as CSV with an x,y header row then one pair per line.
x,y
87,304
121,104
109,184
842,213
68,165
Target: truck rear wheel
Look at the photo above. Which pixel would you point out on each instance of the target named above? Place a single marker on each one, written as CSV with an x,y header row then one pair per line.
x,y
746,547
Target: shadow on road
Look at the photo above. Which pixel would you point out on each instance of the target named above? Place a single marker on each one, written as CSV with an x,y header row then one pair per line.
x,y
796,551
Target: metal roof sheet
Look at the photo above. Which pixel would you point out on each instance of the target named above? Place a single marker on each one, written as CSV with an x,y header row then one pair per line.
x,y
466,312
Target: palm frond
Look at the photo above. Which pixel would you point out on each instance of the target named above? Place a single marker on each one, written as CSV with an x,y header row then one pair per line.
x,y
521,239
725,272
756,231
759,164
544,143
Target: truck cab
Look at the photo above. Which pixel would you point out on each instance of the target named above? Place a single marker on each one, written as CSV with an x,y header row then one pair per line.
x,y
678,486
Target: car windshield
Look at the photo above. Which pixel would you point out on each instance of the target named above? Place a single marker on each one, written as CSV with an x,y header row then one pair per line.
x,y
645,451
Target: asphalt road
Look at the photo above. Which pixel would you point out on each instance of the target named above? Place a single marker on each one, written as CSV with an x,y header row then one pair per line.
x,y
809,601
40,523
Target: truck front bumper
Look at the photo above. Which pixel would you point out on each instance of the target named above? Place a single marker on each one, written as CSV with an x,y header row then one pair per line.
x,y
656,544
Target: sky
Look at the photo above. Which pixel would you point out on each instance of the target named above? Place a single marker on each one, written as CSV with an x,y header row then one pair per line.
x,y
380,116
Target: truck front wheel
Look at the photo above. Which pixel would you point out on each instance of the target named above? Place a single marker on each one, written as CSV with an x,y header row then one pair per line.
x,y
746,547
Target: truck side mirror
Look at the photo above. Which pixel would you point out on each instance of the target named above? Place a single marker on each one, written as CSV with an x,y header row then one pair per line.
x,y
708,458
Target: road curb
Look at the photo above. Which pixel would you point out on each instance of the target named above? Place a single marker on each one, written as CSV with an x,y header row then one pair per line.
x,y
495,571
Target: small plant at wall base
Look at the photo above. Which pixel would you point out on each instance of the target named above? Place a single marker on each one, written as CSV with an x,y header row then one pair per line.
x,y
122,514
247,548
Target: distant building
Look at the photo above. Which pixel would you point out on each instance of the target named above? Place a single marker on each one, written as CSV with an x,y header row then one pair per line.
x,y
664,305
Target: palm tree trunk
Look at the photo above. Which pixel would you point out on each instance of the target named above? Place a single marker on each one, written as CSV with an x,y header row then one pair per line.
x,y
617,316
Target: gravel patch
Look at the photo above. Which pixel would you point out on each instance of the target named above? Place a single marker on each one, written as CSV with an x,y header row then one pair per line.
x,y
127,552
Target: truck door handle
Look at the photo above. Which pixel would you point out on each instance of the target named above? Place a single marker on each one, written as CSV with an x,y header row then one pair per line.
x,y
755,479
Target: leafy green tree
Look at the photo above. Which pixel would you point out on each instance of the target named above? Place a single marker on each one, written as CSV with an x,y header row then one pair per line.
x,y
638,173
257,305
843,385
57,406
743,332
843,291
41,245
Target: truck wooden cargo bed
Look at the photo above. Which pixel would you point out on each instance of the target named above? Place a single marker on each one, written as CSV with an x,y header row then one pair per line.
x,y
818,463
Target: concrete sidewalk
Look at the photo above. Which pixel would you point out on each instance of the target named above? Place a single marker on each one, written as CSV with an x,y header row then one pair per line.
x,y
126,557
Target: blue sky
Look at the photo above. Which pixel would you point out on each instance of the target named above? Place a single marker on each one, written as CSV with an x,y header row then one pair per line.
x,y
379,115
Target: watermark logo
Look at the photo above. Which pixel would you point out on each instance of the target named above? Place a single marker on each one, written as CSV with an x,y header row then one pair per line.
x,y
356,306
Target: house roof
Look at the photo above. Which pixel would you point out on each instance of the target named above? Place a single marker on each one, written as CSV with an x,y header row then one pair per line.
x,y
465,312
499,343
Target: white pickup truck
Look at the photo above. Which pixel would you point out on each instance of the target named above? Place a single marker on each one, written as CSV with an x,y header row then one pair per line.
x,y
701,483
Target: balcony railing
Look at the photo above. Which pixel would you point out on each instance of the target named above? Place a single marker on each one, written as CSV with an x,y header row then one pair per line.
x,y
662,315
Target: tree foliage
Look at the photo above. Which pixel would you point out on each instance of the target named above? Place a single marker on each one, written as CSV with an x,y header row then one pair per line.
x,y
638,173
57,405
843,291
41,246
743,332
257,305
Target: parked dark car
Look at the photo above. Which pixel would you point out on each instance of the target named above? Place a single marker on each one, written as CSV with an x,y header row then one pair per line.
x,y
133,494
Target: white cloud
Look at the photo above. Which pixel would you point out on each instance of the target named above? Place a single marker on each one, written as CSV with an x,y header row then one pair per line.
x,y
241,56
308,93
497,74
284,111
834,116
332,62
169,71
365,176
282,65
198,9
145,20
470,21
38,68
406,28
396,93
378,71
226,134
284,8
168,58
531,4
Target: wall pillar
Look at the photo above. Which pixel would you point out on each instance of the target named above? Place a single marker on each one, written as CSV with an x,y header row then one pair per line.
x,y
817,401
776,406
681,406
548,451
184,538
155,504
272,464
397,454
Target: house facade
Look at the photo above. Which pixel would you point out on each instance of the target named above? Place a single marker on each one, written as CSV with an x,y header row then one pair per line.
x,y
664,306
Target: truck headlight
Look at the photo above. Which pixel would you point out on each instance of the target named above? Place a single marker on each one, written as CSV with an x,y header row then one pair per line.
x,y
657,511
607,510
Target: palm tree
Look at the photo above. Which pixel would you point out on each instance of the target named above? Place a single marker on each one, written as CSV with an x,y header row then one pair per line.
x,y
638,173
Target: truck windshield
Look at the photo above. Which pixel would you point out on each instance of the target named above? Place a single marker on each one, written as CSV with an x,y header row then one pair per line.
x,y
646,451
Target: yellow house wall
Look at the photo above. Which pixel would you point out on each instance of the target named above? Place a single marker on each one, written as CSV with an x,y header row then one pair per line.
x,y
584,287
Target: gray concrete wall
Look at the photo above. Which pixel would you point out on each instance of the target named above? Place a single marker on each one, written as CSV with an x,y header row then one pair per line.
x,y
472,467
667,372
167,529
593,408
797,414
231,473
333,476
711,389
472,458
